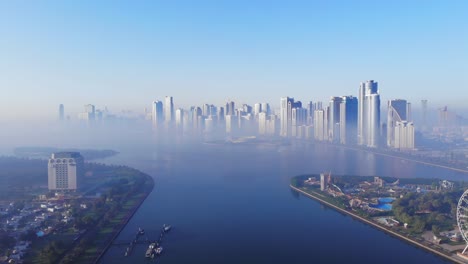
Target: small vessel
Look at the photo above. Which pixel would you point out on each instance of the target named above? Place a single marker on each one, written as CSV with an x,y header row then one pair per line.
x,y
159,250
150,250
166,228
141,231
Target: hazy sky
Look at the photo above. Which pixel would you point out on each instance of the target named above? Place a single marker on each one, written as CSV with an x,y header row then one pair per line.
x,y
125,54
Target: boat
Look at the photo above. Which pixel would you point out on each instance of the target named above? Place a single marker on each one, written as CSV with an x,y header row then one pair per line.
x,y
166,228
150,250
159,250
141,231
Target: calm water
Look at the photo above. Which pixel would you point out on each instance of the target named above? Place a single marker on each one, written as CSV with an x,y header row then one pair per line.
x,y
233,204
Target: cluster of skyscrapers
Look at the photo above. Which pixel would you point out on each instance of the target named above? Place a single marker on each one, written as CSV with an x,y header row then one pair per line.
x,y
344,120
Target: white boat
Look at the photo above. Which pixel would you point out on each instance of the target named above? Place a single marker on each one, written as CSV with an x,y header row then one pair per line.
x,y
159,250
166,228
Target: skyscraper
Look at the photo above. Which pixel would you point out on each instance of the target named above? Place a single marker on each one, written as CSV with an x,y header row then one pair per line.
x,y
89,114
65,170
169,110
61,112
262,123
206,110
334,119
298,119
265,108
286,106
348,120
157,114
230,108
368,114
398,111
319,128
404,135
179,119
257,109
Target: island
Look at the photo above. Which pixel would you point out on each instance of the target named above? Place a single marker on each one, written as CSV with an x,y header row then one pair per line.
x,y
65,227
419,211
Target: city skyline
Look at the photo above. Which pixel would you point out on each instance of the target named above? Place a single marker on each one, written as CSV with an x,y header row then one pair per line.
x,y
213,52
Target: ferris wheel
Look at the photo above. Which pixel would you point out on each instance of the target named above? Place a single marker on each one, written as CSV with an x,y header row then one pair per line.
x,y
462,217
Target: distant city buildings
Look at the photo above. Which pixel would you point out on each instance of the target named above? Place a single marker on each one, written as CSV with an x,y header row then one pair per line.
x,y
342,120
89,114
65,170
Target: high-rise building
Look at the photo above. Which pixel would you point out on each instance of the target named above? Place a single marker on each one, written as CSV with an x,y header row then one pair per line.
x,y
169,110
257,109
334,119
89,114
271,125
247,108
265,108
262,123
319,128
404,135
399,110
221,114
65,171
325,180
348,120
157,114
230,120
298,119
286,106
230,108
179,119
196,114
369,114
213,111
61,112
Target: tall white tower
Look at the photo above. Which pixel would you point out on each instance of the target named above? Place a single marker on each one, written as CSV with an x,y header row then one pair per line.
x,y
368,114
169,109
157,114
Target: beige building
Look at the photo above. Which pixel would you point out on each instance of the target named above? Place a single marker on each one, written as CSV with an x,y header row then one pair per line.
x,y
65,170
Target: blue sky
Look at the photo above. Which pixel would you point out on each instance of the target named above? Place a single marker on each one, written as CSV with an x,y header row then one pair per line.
x,y
124,54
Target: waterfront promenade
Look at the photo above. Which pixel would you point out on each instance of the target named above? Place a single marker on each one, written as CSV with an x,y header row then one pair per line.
x,y
451,257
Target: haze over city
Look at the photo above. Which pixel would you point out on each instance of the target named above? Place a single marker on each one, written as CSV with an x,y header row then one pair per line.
x,y
124,55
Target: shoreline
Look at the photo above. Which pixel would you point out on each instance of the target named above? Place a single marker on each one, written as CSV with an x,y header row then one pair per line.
x,y
375,225
124,223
